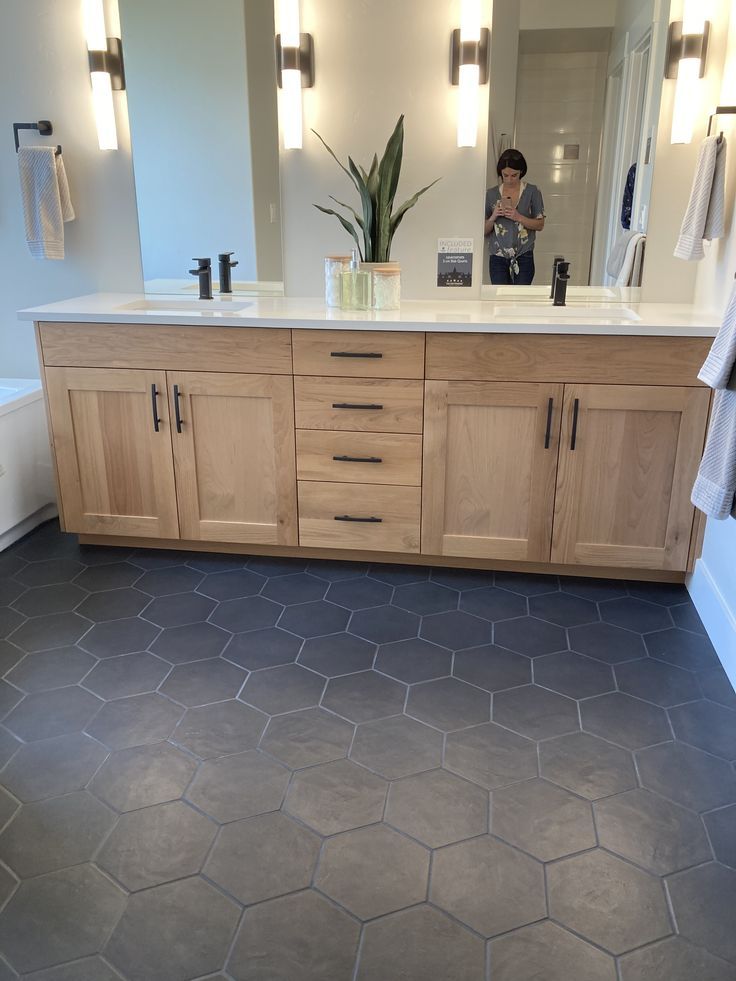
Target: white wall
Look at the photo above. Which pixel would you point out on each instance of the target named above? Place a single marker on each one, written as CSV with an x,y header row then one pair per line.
x,y
540,14
374,61
44,74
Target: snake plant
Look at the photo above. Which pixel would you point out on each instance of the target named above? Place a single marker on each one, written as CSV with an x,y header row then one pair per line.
x,y
377,189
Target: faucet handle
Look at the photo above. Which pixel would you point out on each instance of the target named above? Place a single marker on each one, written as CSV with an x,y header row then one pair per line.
x,y
204,262
224,258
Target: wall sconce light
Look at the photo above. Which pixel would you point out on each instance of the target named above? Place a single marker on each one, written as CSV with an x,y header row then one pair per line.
x,y
106,72
469,69
294,71
686,53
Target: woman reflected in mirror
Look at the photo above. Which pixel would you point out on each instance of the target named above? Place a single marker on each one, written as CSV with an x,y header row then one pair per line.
x,y
514,214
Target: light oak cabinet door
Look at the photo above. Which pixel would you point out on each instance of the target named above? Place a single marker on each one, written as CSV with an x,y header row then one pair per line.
x,y
233,439
110,430
628,458
490,458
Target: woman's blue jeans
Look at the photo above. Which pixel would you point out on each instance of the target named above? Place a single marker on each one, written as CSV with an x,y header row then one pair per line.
x,y
501,274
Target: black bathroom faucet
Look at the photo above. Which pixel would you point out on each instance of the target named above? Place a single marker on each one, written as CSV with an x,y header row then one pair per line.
x,y
204,273
559,287
226,265
555,262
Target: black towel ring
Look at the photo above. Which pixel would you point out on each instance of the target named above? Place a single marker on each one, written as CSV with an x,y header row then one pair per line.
x,y
43,126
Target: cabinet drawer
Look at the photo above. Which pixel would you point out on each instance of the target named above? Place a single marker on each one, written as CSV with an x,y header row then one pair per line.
x,y
361,353
328,513
369,458
359,404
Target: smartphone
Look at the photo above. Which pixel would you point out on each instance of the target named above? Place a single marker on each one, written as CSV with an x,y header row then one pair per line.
x,y
507,204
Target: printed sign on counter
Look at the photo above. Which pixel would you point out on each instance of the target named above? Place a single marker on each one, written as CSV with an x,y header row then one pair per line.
x,y
454,262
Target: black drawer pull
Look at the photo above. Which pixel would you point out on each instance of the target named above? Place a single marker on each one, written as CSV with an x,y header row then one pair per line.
x,y
358,459
177,409
548,431
154,409
355,354
575,410
350,517
356,405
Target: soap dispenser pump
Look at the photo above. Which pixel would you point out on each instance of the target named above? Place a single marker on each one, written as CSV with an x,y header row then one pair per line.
x,y
356,286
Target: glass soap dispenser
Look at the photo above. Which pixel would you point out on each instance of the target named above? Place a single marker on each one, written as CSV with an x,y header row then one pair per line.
x,y
356,286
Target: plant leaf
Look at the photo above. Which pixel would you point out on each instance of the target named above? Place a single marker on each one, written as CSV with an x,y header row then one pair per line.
x,y
365,199
335,158
348,208
389,170
409,203
349,228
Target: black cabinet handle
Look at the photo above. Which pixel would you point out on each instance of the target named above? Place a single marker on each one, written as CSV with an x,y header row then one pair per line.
x,y
355,354
548,430
350,517
358,459
575,410
356,405
177,410
154,409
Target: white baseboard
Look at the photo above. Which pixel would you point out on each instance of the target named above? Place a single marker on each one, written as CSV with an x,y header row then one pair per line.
x,y
719,619
27,524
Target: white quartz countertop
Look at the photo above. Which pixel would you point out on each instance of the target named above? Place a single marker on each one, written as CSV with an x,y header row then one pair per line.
x,y
456,315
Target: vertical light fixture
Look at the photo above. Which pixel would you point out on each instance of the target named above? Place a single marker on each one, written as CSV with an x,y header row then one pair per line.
x,y
687,49
294,71
469,69
105,56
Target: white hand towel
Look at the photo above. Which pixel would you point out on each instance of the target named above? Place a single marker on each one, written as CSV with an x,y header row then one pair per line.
x,y
46,201
627,266
618,253
721,361
704,215
715,487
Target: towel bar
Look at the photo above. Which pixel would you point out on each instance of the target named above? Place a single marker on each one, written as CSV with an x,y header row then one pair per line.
x,y
720,111
43,126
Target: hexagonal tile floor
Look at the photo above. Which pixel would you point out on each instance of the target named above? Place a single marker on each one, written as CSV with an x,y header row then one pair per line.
x,y
236,769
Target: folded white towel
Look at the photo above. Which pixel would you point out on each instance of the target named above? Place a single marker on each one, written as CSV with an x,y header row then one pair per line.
x,y
704,215
627,266
720,364
46,201
715,487
618,253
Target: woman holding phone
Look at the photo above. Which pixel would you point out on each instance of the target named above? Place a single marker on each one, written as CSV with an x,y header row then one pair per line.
x,y
514,214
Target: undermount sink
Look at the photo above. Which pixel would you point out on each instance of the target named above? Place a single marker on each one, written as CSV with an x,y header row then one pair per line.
x,y
218,306
540,294
519,313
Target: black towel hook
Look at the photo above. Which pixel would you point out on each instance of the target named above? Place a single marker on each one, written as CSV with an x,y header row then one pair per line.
x,y
43,126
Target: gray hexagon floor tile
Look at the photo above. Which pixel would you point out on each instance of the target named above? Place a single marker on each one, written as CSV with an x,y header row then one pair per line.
x,y
283,689
542,819
490,755
263,857
413,660
491,603
687,776
657,682
142,776
251,613
28,640
492,668
119,637
50,669
607,901
135,721
240,786
373,871
46,632
192,642
587,765
682,648
220,729
397,747
397,575
721,827
448,704
88,969
8,745
52,834
596,590
174,932
635,614
535,712
59,917
462,579
573,675
546,951
425,597
9,697
266,565
456,630
306,738
487,885
127,674
114,604
314,619
703,901
263,648
437,808
52,767
337,796
530,636
686,616
10,656
426,943
359,594
336,570
703,724
44,714
180,609
364,696
8,806
337,654
41,600
527,584
299,936
114,575
676,960
299,587
624,720
384,624
231,584
716,686
607,642
50,571
165,582
652,832
202,682
563,609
